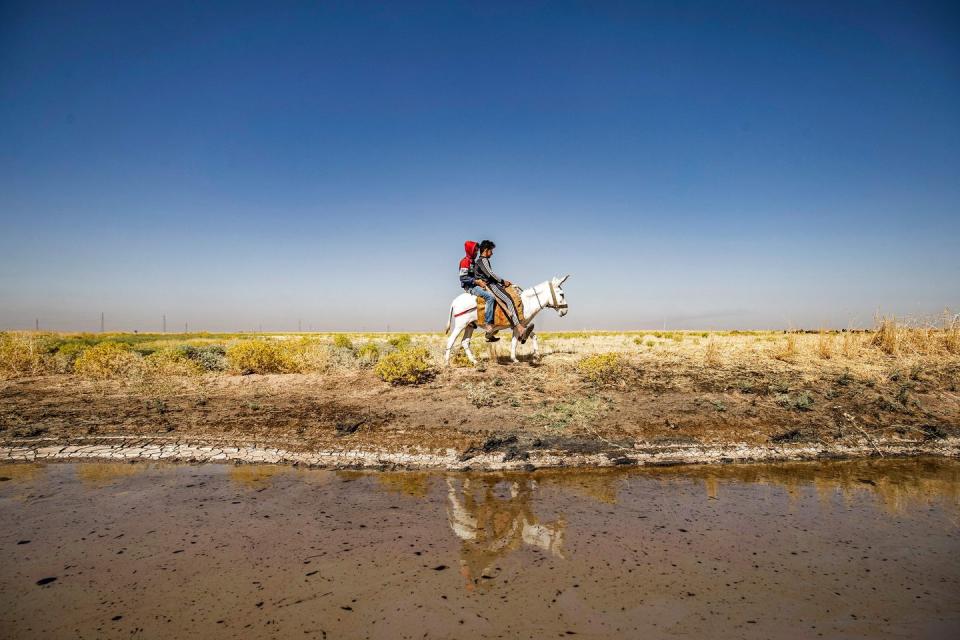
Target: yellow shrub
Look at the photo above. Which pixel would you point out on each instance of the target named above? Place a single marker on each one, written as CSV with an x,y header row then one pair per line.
x,y
460,359
260,356
601,368
341,341
306,355
171,362
108,360
401,341
406,366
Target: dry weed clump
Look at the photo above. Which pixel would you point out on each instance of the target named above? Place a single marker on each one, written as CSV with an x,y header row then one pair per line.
x,y
23,354
601,368
825,341
788,352
951,334
917,337
851,345
888,336
109,360
713,354
405,366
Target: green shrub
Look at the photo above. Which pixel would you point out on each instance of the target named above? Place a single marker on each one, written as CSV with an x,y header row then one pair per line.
x,y
66,355
341,341
210,357
260,356
405,366
368,353
601,368
108,360
402,341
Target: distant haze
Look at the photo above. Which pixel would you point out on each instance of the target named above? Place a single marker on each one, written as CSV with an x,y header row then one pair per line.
x,y
692,165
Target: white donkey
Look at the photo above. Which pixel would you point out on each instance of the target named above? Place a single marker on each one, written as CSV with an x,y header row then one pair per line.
x,y
463,315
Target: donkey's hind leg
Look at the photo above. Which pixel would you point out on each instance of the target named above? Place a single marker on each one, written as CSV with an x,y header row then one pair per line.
x,y
467,333
455,333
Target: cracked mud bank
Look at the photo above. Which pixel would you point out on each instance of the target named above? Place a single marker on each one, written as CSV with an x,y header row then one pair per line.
x,y
519,417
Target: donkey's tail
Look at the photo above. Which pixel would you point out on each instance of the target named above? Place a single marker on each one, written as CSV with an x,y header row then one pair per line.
x,y
449,321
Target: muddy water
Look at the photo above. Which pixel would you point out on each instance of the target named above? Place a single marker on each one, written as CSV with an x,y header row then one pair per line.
x,y
850,549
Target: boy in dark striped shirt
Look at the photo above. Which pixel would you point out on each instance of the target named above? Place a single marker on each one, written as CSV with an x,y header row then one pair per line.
x,y
497,286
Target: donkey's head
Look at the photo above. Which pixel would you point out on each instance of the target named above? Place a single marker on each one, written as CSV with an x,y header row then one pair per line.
x,y
558,297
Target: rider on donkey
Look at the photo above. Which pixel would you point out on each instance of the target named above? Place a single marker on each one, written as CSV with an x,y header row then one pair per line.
x,y
497,286
476,286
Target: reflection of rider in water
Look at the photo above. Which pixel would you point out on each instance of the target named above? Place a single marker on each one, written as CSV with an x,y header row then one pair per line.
x,y
491,527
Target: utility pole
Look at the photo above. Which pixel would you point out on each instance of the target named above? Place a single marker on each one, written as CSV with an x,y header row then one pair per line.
x,y
164,323
185,328
36,324
101,322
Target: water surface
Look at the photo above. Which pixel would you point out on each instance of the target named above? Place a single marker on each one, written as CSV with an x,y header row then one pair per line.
x,y
845,549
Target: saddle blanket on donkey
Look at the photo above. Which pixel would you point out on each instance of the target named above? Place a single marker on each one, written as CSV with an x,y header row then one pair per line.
x,y
499,316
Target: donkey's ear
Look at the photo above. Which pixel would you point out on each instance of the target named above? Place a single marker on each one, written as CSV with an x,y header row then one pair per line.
x,y
564,279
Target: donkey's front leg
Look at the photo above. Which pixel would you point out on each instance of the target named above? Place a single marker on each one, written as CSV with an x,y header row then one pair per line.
x,y
513,349
536,345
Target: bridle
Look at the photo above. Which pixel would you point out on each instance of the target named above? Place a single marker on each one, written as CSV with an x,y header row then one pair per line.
x,y
553,304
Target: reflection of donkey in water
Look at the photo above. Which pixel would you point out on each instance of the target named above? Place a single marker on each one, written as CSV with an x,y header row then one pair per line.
x,y
491,527
463,316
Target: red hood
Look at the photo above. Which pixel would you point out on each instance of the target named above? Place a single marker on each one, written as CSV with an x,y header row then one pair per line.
x,y
470,247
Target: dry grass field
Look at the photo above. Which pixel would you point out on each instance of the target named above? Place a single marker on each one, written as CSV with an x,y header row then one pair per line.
x,y
896,382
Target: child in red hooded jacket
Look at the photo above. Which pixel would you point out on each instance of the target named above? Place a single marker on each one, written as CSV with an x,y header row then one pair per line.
x,y
472,284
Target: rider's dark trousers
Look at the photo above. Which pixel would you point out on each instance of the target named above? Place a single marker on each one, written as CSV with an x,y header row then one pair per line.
x,y
506,302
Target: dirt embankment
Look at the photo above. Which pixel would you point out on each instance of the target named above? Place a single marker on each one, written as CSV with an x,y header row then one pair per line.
x,y
505,416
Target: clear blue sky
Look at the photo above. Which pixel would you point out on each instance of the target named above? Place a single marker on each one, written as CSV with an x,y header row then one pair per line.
x,y
693,164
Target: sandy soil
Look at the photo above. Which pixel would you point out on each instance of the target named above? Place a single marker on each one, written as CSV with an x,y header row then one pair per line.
x,y
657,402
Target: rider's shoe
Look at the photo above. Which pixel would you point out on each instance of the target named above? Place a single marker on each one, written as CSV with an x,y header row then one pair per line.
x,y
491,332
523,332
